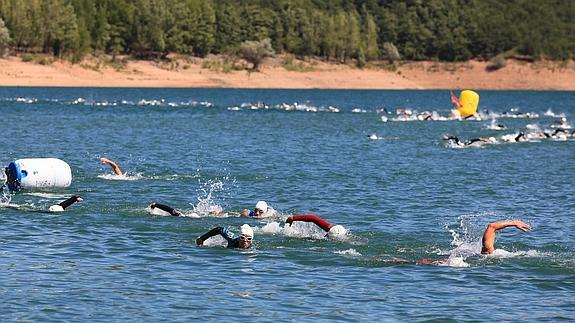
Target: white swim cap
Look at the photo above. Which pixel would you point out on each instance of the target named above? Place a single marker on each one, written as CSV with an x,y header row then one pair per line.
x,y
246,230
336,231
262,205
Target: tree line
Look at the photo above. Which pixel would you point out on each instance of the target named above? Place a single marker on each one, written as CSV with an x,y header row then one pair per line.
x,y
336,30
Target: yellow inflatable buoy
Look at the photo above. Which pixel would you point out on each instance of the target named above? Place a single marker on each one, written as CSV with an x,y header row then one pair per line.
x,y
468,102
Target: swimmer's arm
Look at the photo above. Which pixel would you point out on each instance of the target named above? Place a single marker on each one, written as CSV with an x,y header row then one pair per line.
x,y
488,240
451,138
246,213
224,232
168,209
114,166
310,218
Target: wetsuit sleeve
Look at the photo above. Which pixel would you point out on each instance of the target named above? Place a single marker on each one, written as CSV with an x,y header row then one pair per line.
x,y
312,218
68,202
454,139
224,232
168,209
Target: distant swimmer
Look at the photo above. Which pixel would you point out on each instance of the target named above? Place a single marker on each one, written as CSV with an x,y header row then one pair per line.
x,y
489,234
243,241
469,141
520,137
557,134
165,210
333,231
114,166
515,138
63,205
262,210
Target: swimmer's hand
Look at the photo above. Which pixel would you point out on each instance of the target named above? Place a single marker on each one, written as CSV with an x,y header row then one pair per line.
x,y
245,213
199,241
289,220
521,225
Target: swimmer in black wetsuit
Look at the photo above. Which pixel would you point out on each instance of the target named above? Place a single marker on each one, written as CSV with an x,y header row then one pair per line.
x,y
554,133
63,205
520,137
168,209
467,142
243,241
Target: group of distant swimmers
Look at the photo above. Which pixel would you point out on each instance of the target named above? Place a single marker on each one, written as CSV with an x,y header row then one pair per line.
x,y
262,210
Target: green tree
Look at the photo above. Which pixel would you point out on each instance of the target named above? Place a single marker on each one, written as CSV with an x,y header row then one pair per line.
x,y
369,40
227,34
256,51
4,38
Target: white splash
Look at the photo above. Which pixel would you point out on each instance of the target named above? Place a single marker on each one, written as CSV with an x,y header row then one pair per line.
x,y
297,229
206,205
124,177
348,252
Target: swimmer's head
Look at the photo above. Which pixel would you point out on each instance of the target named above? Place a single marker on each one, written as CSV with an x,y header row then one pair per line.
x,y
337,231
261,208
246,236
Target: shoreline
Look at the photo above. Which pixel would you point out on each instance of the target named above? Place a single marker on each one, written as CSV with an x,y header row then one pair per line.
x,y
313,74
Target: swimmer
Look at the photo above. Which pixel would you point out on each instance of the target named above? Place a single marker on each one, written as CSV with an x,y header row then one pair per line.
x,y
515,138
555,134
114,166
63,205
488,240
520,137
164,208
243,241
262,210
469,141
333,231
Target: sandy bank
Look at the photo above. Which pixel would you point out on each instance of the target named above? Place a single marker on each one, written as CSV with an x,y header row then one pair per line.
x,y
416,75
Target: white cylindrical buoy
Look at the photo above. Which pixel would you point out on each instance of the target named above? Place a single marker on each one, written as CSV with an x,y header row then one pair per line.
x,y
38,174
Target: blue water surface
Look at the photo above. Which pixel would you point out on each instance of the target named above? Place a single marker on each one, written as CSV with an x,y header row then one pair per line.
x,y
406,196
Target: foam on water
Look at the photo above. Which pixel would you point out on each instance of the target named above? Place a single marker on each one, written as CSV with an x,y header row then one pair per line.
x,y
206,201
124,177
348,252
47,195
298,230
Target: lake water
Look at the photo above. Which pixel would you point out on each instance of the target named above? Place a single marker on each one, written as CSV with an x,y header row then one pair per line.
x,y
404,196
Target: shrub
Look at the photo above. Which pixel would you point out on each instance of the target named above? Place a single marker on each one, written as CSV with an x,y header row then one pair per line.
x,y
496,63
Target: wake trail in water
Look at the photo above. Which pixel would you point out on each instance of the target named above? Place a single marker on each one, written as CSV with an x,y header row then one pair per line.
x,y
124,177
